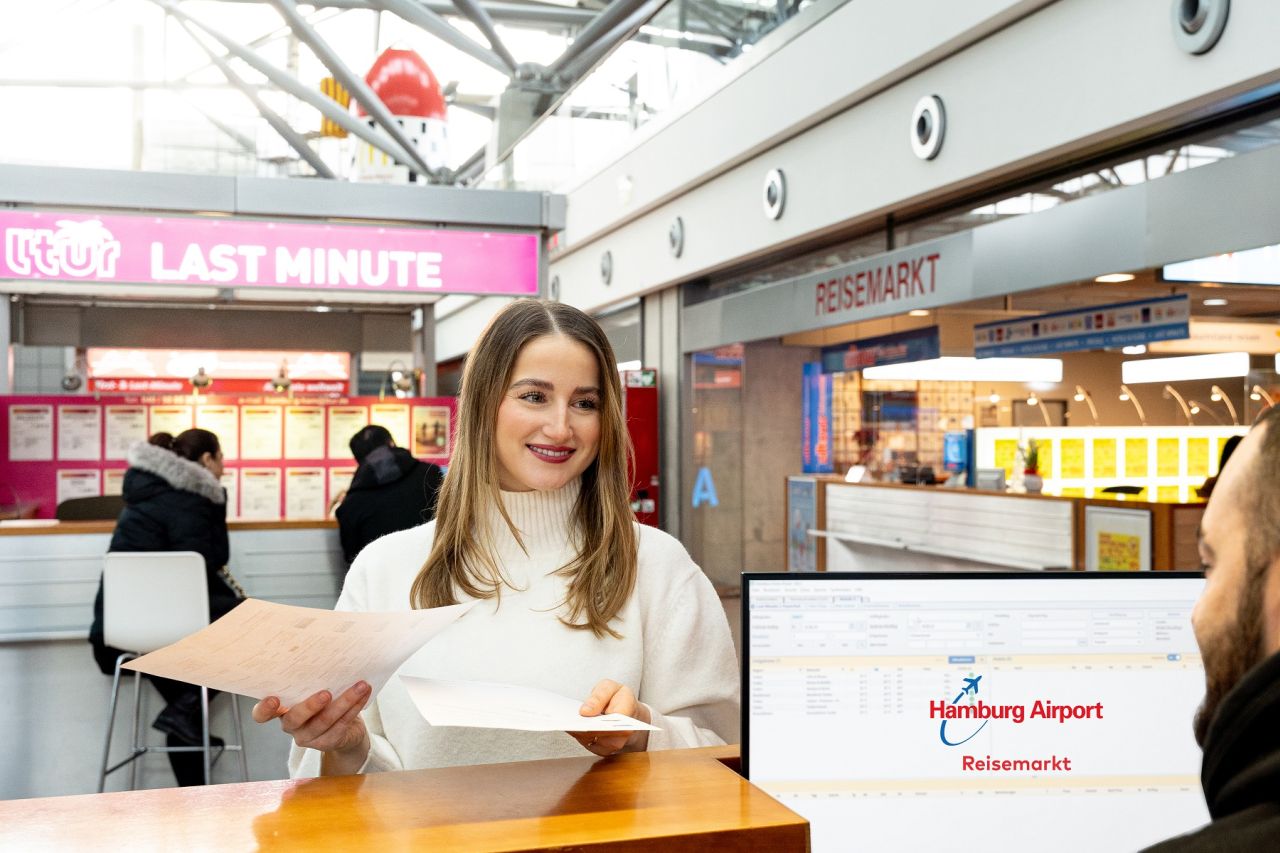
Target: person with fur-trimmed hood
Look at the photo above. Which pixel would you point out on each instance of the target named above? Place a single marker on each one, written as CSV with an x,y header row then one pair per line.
x,y
174,501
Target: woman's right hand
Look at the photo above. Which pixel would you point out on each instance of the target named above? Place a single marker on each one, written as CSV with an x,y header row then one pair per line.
x,y
331,726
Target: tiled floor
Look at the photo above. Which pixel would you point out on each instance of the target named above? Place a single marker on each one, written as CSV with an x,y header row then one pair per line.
x,y
53,722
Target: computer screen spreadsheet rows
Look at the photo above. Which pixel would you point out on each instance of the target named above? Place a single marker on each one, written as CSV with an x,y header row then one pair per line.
x,y
885,708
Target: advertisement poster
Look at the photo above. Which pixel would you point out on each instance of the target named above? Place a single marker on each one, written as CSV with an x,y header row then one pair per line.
x,y
31,433
1136,463
1072,459
816,452
345,422
1117,540
78,484
170,419
231,482
395,417
1115,325
80,433
340,481
802,516
304,493
431,431
303,432
260,494
1104,457
126,426
113,481
224,422
261,432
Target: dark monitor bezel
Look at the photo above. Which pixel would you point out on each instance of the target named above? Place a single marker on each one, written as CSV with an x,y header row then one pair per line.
x,y
745,624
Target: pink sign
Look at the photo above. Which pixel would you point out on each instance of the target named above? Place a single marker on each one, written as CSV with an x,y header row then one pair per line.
x,y
226,252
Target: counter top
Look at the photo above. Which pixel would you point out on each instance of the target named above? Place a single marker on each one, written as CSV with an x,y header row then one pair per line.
x,y
49,527
671,800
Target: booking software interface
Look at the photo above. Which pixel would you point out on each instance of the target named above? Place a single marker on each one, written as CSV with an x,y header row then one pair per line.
x,y
1004,713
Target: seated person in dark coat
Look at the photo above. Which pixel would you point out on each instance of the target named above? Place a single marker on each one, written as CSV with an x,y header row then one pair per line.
x,y
390,491
1237,626
174,501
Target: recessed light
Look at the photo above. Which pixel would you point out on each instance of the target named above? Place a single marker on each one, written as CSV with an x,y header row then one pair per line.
x,y
1114,278
918,312
1136,349
321,309
1214,303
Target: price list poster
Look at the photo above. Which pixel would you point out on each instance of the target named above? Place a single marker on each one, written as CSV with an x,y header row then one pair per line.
x,y
285,458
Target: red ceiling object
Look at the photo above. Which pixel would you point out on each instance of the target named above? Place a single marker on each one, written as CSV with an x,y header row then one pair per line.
x,y
405,83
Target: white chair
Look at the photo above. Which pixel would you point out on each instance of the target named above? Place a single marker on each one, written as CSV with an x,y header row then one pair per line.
x,y
149,600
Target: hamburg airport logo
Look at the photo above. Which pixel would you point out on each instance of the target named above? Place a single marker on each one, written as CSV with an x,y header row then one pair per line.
x,y
970,689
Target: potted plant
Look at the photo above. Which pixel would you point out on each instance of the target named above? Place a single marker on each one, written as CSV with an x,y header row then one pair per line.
x,y
1031,478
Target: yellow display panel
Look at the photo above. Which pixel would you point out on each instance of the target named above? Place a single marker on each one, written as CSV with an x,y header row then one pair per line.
x,y
1006,455
1135,457
1104,457
1044,465
1119,552
1197,457
1167,494
1072,459
1167,461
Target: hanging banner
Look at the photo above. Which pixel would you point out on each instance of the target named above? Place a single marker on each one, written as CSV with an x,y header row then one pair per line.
x,y
1118,325
898,348
232,252
817,409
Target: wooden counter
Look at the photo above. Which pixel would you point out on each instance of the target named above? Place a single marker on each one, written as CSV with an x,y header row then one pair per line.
x,y
674,800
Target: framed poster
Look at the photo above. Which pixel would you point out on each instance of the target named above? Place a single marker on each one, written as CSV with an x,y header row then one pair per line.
x,y
1117,540
802,516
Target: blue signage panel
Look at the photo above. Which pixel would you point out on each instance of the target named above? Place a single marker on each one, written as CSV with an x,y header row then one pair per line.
x,y
816,411
1122,324
898,348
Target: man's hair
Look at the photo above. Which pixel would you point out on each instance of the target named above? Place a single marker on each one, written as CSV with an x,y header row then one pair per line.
x,y
1263,505
368,440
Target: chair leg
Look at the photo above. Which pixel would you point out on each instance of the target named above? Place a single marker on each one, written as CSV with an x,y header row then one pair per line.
x,y
111,722
204,733
239,729
138,738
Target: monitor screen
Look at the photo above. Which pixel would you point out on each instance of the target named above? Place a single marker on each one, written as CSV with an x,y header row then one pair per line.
x,y
997,711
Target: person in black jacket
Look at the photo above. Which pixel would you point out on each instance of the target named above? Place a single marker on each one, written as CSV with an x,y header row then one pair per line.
x,y
390,491
174,501
1237,626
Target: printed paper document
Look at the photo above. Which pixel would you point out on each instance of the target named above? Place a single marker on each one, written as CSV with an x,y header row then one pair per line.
x,y
483,705
263,649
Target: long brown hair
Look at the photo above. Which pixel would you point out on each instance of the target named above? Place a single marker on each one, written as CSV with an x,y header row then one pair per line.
x,y
462,559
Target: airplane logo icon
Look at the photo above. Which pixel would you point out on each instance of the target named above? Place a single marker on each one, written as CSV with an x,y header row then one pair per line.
x,y
971,685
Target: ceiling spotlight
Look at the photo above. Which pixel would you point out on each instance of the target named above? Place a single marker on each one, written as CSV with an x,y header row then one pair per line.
x,y
994,398
918,312
1260,393
1195,407
1127,396
1171,392
1214,303
1220,396
321,309
1114,278
1083,396
1033,400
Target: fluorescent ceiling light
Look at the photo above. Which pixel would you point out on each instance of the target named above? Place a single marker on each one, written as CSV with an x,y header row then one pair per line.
x,y
1114,278
969,369
918,312
628,365
1214,303
1185,368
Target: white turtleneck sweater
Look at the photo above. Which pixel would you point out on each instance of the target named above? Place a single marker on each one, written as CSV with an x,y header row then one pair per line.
x,y
675,653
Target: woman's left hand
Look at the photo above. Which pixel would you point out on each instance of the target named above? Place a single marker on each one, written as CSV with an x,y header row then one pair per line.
x,y
610,697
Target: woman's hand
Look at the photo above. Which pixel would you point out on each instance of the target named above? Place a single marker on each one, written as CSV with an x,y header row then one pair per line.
x,y
610,697
331,726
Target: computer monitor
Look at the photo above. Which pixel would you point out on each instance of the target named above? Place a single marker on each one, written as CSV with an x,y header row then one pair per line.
x,y
993,711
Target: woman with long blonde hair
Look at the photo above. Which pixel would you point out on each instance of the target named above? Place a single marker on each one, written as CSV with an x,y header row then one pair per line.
x,y
534,524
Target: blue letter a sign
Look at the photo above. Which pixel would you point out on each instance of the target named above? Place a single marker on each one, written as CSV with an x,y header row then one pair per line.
x,y
704,489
